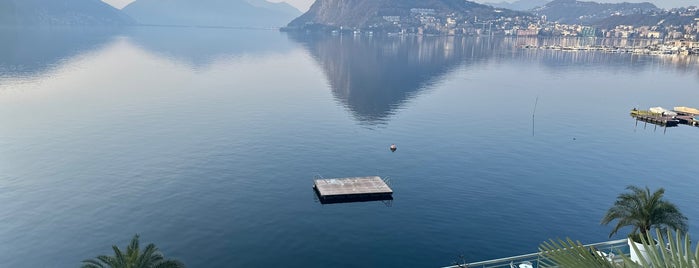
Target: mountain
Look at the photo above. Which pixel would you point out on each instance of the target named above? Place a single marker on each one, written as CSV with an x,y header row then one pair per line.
x,y
282,7
382,13
227,13
572,11
60,12
655,19
522,5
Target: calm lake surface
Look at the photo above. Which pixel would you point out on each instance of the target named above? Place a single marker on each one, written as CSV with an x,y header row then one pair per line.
x,y
206,141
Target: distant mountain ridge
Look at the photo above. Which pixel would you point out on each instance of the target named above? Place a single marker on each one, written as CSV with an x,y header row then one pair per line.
x,y
660,19
572,11
60,13
521,5
227,13
373,13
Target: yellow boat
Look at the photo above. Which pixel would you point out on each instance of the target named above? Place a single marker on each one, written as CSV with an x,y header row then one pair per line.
x,y
687,110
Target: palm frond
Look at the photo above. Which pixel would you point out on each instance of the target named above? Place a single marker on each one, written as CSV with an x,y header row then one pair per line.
x,y
92,264
169,264
151,257
133,250
571,254
678,254
108,260
119,256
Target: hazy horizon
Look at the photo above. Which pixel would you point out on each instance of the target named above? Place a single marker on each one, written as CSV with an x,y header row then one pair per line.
x,y
303,5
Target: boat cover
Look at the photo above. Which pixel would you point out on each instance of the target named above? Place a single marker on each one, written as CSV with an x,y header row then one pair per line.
x,y
661,110
687,110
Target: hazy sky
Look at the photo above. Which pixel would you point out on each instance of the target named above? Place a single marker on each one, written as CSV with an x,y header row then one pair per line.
x,y
304,4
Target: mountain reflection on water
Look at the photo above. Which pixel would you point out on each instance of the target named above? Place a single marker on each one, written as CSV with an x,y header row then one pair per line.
x,y
31,51
200,47
26,52
373,77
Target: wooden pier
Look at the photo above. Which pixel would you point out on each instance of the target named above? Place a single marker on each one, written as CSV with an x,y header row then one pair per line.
x,y
687,120
352,189
654,118
688,116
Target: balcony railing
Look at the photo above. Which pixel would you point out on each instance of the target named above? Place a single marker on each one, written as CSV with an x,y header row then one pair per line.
x,y
614,247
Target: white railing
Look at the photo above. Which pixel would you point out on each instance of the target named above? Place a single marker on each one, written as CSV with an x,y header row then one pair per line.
x,y
615,247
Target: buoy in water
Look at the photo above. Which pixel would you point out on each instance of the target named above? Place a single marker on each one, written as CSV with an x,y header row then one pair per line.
x,y
393,148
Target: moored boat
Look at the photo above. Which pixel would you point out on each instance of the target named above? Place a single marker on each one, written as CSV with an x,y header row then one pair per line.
x,y
662,111
687,110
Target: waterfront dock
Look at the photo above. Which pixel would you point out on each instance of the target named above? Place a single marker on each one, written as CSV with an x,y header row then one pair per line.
x,y
687,120
352,189
654,49
655,118
686,115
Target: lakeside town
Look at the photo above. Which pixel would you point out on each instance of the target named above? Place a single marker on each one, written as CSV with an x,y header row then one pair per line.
x,y
658,38
658,47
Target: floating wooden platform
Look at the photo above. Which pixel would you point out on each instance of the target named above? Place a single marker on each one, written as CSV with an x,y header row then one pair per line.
x,y
352,189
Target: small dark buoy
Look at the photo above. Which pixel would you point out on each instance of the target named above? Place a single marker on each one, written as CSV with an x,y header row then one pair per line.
x,y
573,138
393,148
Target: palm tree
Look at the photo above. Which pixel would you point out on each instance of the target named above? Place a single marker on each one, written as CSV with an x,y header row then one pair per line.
x,y
133,258
644,210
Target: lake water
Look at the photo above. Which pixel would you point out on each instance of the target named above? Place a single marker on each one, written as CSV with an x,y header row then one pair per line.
x,y
206,141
